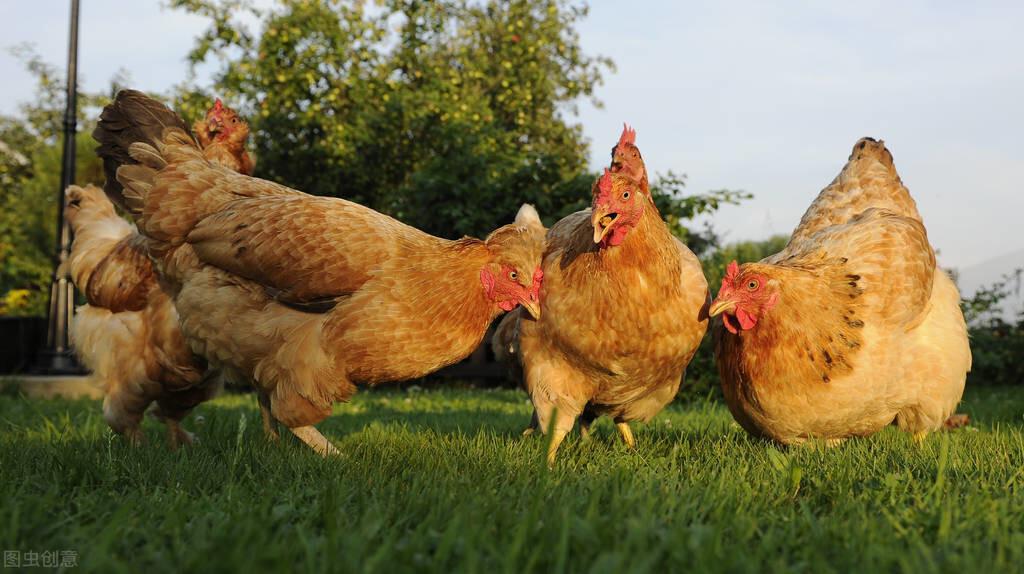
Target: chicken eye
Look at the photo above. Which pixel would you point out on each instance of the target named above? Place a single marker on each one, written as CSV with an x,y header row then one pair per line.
x,y
234,120
752,284
513,275
625,195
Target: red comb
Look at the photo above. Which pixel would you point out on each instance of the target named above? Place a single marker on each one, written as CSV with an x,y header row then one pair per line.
x,y
217,105
628,135
732,271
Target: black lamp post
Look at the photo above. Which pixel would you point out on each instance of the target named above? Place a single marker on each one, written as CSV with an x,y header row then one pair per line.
x,y
57,357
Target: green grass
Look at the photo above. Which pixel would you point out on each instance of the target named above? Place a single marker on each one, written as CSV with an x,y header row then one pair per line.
x,y
440,480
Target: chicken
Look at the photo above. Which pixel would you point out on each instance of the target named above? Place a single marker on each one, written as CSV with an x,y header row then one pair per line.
x,y
852,326
222,135
127,333
505,341
625,308
305,296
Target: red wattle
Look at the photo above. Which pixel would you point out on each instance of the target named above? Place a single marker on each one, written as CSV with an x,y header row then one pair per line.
x,y
727,321
747,321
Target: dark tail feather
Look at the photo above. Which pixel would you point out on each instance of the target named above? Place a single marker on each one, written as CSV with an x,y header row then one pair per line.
x,y
132,117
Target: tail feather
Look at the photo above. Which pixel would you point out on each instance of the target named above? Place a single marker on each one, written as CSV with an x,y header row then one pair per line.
x,y
108,261
138,183
97,230
527,215
131,118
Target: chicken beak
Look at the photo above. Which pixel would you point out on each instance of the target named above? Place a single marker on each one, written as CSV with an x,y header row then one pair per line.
x,y
532,307
603,222
720,306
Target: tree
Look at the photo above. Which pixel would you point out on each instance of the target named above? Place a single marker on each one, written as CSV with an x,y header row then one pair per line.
x,y
30,164
717,260
447,115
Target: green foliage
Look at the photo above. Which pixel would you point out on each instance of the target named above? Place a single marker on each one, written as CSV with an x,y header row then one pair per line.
x,y
441,481
447,115
996,344
30,165
677,207
741,252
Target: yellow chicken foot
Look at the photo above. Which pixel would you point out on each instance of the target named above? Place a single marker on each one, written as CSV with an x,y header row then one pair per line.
x,y
134,436
585,429
627,434
557,436
318,442
269,425
528,431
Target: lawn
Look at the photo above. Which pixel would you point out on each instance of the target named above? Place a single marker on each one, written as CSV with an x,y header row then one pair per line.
x,y
440,480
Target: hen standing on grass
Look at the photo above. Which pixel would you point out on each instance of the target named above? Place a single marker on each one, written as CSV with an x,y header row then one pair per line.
x,y
625,308
852,326
127,333
305,296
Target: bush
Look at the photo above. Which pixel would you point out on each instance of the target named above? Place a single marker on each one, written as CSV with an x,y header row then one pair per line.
x,y
997,345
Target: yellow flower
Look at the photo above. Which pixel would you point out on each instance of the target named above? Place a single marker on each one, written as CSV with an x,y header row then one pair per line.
x,y
13,300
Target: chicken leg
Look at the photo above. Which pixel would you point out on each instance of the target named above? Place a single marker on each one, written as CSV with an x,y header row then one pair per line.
x,y
317,441
627,434
177,436
533,425
269,424
586,421
557,436
556,423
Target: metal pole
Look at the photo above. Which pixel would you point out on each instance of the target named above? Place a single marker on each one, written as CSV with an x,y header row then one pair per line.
x,y
58,357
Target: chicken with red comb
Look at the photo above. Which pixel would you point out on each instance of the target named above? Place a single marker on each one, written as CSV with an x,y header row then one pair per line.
x,y
626,158
625,308
222,134
852,326
305,296
127,333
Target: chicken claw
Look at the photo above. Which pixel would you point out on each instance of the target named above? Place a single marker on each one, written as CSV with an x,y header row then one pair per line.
x,y
557,436
528,431
318,442
269,424
134,436
627,434
177,436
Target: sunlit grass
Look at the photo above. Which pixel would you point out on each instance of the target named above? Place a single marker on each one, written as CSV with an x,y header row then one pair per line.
x,y
440,480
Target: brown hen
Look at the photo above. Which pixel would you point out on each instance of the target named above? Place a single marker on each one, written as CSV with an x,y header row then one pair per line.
x,y
127,334
625,308
305,296
852,326
222,135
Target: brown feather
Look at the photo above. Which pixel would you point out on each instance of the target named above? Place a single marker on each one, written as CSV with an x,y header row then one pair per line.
x,y
865,329
228,245
619,325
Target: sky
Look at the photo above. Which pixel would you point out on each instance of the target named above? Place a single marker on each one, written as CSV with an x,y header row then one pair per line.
x,y
764,97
